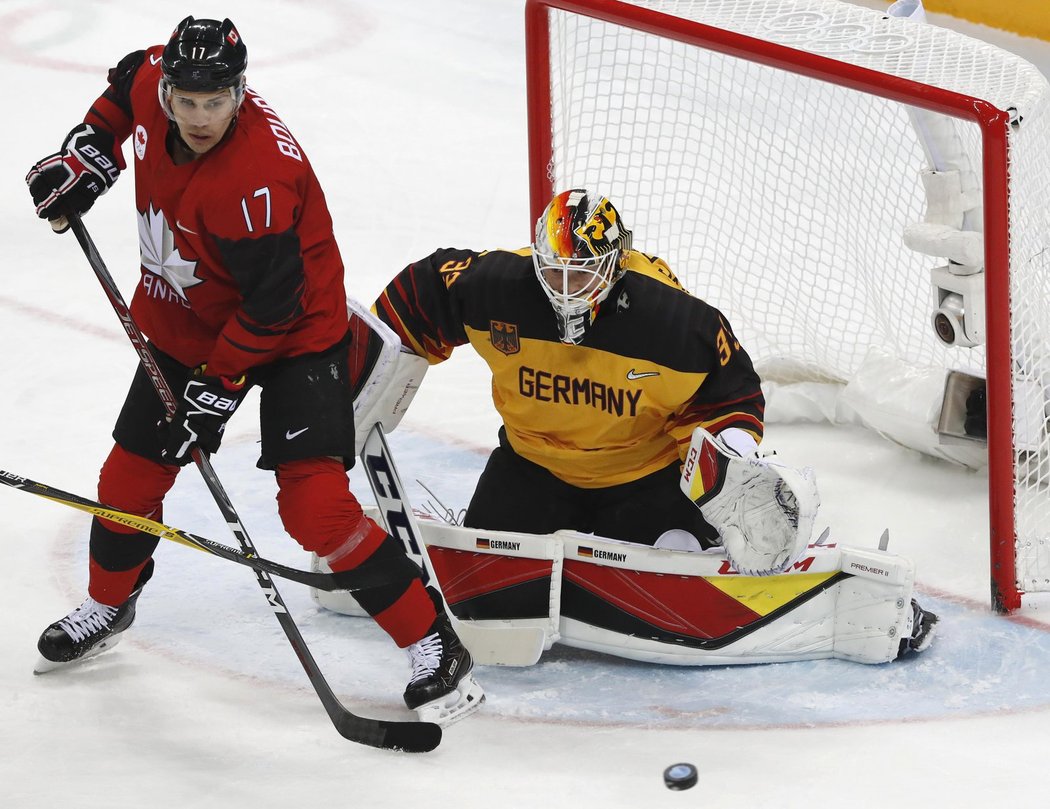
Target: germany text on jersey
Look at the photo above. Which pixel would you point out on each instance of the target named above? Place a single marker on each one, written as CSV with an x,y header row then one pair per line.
x,y
656,362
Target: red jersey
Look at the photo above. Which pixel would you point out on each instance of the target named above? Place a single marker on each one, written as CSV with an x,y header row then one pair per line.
x,y
239,262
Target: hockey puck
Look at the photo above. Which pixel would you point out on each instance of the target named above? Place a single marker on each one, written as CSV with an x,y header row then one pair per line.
x,y
680,776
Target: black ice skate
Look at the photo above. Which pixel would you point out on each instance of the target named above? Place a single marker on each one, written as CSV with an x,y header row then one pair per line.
x,y
923,628
442,688
90,629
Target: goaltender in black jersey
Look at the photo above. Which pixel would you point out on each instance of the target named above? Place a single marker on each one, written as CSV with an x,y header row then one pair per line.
x,y
620,392
602,367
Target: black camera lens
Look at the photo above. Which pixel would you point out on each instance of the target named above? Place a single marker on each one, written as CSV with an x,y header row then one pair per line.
x,y
944,327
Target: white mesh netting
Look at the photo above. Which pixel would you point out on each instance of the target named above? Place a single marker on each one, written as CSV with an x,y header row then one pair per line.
x,y
783,199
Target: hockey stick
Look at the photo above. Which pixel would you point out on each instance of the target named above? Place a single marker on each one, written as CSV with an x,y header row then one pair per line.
x,y
412,737
488,645
322,581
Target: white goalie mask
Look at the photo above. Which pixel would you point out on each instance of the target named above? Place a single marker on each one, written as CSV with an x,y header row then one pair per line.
x,y
579,254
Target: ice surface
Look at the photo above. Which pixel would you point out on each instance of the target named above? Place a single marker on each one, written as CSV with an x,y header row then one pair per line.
x,y
413,115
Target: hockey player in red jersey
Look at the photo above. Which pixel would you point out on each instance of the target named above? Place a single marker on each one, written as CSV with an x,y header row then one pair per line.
x,y
242,284
604,398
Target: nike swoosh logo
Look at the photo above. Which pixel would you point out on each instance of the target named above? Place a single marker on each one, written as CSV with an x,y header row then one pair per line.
x,y
153,60
185,229
290,435
633,374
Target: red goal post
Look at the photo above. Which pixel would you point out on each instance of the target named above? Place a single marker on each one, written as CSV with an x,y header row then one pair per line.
x,y
656,102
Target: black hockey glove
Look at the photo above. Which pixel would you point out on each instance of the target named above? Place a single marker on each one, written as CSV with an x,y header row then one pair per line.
x,y
200,419
72,179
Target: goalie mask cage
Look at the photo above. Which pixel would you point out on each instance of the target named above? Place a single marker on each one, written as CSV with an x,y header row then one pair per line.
x,y
769,150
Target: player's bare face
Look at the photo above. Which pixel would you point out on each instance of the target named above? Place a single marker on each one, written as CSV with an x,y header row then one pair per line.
x,y
202,118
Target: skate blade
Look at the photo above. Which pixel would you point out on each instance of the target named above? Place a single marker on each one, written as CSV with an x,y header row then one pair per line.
x,y
43,665
455,705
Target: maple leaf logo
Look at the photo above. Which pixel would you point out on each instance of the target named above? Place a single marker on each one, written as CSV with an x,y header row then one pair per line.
x,y
160,255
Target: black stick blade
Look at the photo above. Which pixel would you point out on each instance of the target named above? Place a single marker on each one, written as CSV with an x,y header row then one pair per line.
x,y
408,737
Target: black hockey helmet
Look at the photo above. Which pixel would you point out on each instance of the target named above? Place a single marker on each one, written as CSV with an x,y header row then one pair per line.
x,y
204,55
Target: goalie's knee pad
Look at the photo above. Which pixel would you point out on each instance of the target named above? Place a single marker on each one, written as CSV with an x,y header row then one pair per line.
x,y
677,539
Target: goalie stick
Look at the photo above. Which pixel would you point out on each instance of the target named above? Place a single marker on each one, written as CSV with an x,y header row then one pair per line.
x,y
489,645
322,581
412,737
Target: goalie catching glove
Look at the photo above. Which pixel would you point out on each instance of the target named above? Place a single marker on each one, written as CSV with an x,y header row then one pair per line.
x,y
763,511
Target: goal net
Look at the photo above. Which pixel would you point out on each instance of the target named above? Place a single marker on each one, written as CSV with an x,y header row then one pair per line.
x,y
830,176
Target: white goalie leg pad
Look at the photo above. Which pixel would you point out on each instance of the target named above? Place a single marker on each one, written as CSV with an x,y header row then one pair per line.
x,y
873,608
392,382
676,592
819,613
763,511
810,612
479,546
483,546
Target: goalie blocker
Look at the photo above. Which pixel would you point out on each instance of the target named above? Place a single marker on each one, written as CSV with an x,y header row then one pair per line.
x,y
385,376
676,607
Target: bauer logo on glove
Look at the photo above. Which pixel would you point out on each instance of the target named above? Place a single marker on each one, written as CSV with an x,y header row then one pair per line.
x,y
200,419
72,179
763,511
